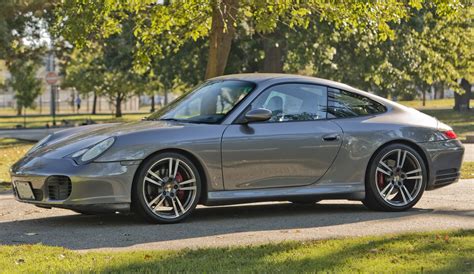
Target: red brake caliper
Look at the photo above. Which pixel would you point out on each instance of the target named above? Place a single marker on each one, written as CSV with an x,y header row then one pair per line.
x,y
380,180
179,179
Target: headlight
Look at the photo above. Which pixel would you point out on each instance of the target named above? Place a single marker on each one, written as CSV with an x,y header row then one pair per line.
x,y
89,154
40,143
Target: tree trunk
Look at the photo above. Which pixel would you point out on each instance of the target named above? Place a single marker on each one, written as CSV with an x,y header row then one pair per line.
x,y
462,101
165,101
222,32
94,104
18,110
118,106
424,96
273,48
152,103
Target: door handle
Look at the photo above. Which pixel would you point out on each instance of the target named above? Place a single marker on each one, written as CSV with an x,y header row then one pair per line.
x,y
331,137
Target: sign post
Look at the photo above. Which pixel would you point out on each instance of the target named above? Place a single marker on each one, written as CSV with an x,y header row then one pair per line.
x,y
52,79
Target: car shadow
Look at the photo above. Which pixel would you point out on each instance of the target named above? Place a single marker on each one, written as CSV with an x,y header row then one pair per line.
x,y
112,231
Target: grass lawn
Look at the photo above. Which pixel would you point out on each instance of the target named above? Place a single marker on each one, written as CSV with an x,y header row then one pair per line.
x,y
10,151
42,120
430,104
443,252
467,170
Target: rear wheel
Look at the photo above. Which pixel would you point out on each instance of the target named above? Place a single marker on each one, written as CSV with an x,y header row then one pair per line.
x,y
396,180
167,188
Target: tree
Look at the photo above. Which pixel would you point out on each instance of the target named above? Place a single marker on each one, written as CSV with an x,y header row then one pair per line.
x,y
181,21
24,82
427,48
84,71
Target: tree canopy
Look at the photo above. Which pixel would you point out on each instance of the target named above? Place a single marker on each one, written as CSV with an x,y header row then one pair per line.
x,y
181,21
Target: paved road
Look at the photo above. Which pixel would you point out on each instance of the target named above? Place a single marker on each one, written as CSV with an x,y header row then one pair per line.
x,y
450,207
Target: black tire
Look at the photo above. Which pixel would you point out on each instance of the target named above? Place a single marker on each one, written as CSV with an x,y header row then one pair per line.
x,y
373,198
140,205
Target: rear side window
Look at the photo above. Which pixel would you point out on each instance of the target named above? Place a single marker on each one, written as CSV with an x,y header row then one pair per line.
x,y
343,104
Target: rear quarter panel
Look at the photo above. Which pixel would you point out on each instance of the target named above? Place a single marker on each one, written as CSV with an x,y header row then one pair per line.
x,y
362,136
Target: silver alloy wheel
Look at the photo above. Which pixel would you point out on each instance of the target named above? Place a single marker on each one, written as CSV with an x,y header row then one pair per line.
x,y
169,188
399,177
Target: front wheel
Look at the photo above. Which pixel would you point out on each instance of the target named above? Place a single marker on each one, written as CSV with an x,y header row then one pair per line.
x,y
166,189
396,179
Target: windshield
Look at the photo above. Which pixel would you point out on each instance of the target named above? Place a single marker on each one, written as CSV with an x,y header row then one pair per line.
x,y
209,103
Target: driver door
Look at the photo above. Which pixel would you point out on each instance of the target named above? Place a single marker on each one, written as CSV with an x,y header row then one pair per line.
x,y
294,148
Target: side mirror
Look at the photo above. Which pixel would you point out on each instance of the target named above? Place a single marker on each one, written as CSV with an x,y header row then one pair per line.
x,y
258,115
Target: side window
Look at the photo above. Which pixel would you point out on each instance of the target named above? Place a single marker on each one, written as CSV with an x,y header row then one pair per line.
x,y
343,104
294,102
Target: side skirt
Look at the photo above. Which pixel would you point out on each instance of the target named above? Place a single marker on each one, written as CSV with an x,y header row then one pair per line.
x,y
354,191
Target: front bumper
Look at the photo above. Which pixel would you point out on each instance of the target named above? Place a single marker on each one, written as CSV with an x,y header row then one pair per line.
x,y
104,186
445,160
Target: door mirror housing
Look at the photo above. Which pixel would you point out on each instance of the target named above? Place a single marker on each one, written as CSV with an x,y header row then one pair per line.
x,y
258,115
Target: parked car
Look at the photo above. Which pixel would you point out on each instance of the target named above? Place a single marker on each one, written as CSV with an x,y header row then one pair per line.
x,y
245,138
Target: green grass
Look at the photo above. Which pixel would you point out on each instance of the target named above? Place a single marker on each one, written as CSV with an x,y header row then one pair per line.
x,y
42,120
11,150
447,103
443,252
467,170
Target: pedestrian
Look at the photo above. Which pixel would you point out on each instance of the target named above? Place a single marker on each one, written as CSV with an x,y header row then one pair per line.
x,y
78,103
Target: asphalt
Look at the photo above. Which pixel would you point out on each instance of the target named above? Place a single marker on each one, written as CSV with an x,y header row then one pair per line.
x,y
451,207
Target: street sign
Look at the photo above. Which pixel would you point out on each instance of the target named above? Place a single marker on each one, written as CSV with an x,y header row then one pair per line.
x,y
51,78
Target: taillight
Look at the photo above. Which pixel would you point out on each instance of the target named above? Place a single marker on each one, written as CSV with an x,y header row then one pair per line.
x,y
450,134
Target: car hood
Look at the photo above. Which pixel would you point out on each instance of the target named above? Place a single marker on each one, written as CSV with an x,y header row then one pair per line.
x,y
69,141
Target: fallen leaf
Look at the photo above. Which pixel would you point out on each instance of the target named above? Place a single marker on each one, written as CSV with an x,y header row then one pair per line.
x,y
31,233
374,250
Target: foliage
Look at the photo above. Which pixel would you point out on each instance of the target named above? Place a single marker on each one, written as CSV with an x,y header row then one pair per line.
x,y
24,82
440,251
20,22
105,68
84,71
180,21
426,48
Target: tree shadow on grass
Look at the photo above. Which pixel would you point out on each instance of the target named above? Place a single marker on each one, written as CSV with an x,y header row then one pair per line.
x,y
404,253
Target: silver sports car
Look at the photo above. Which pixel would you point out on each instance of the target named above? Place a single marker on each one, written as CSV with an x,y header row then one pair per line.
x,y
245,138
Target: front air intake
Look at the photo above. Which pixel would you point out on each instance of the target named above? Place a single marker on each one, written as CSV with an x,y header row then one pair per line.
x,y
59,187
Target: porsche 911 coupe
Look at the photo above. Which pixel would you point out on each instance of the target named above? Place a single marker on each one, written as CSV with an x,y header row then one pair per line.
x,y
245,138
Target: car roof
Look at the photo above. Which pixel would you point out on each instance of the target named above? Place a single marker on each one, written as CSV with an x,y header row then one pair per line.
x,y
281,77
